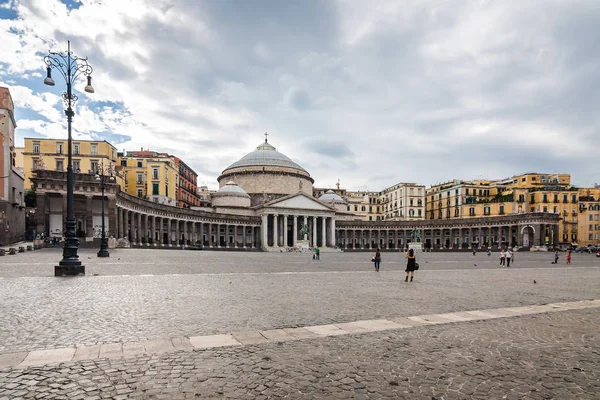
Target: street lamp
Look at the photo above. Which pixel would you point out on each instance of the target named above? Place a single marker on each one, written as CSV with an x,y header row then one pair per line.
x,y
70,67
102,178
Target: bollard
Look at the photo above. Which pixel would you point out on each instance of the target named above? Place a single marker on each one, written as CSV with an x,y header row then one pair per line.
x,y
2,252
21,249
29,247
12,251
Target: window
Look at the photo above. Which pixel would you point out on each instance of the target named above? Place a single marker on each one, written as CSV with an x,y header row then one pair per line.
x,y
36,147
486,211
545,209
370,218
76,166
34,163
472,211
564,198
447,213
355,207
467,191
555,198
545,198
523,179
140,192
60,163
75,148
456,212
154,173
411,202
574,198
591,217
363,208
591,227
59,147
167,190
139,178
139,163
94,149
370,209
501,209
155,189
126,180
419,212
411,213
94,166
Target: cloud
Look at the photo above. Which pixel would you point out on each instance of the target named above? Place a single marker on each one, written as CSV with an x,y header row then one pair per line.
x,y
372,94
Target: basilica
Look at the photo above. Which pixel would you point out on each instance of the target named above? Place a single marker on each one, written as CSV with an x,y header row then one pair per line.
x,y
265,202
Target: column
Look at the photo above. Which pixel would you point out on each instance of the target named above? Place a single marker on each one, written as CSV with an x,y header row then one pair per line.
x,y
480,237
146,229
353,240
451,238
537,235
285,230
153,233
324,231
332,228
295,231
89,223
184,225
264,231
119,219
314,232
138,229
275,233
126,225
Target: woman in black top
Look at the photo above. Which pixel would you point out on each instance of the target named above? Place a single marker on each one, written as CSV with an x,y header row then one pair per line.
x,y
411,264
377,260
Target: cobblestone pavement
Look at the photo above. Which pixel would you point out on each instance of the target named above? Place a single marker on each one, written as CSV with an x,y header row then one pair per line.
x,y
256,291
41,263
545,356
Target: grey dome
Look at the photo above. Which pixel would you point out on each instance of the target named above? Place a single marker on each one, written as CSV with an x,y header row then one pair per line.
x,y
231,189
331,197
265,155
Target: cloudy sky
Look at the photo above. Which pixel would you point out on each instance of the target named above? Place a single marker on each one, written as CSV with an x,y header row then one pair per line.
x,y
368,92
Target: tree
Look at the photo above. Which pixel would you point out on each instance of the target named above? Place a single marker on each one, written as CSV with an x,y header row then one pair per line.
x,y
30,198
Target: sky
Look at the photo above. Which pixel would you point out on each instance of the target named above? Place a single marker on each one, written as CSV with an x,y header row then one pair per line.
x,y
368,92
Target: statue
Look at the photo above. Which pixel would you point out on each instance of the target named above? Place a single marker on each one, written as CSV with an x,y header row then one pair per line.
x,y
300,186
415,235
303,231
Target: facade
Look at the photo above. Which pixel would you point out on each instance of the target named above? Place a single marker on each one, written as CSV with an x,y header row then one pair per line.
x,y
88,156
589,217
12,204
526,193
364,205
150,175
187,191
275,211
403,201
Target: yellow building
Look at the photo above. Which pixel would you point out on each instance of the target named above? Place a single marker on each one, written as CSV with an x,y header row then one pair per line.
x,y
364,205
532,192
589,217
51,154
150,175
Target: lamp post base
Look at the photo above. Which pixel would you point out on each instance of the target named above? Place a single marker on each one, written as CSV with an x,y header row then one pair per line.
x,y
103,253
69,270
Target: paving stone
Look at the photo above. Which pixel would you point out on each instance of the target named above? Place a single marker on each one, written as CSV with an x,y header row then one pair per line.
x,y
133,349
326,330
87,352
249,337
111,350
11,359
300,333
202,342
158,346
41,357
277,335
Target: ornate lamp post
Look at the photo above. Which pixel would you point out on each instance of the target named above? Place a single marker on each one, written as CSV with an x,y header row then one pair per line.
x,y
102,178
70,67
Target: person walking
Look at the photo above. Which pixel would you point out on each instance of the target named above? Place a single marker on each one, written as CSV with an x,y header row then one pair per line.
x,y
502,257
556,257
569,257
411,264
317,253
508,257
377,260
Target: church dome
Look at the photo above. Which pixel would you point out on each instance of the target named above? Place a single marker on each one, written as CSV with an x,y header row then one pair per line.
x,y
331,197
231,189
265,155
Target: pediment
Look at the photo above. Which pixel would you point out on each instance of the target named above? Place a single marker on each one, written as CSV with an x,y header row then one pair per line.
x,y
298,201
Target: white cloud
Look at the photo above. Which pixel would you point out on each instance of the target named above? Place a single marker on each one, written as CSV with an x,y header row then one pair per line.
x,y
414,91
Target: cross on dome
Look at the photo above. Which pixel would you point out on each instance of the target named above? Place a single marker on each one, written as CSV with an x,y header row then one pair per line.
x,y
266,136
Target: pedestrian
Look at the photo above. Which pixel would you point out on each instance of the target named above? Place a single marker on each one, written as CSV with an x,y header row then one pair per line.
x,y
377,260
569,257
556,257
474,251
508,257
502,257
411,264
318,253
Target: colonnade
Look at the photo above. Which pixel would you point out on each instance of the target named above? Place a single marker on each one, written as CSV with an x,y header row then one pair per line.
x,y
145,229
285,230
521,235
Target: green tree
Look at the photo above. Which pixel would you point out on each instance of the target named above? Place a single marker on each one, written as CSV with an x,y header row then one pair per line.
x,y
30,198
